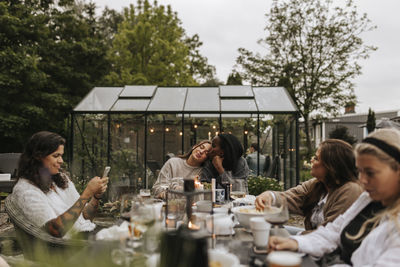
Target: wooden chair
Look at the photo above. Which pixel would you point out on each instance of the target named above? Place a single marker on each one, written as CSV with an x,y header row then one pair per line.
x,y
35,242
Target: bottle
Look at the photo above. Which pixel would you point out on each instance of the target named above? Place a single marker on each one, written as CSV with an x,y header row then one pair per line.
x,y
227,191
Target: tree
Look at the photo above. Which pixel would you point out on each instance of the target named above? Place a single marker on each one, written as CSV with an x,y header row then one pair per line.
x,y
234,79
371,121
22,27
313,51
151,48
51,55
342,133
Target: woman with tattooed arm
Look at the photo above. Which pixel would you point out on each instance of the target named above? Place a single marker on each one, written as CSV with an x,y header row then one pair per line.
x,y
47,195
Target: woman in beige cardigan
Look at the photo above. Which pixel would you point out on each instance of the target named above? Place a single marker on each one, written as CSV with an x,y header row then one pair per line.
x,y
333,190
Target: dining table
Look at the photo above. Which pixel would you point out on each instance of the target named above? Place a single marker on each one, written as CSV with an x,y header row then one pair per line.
x,y
239,244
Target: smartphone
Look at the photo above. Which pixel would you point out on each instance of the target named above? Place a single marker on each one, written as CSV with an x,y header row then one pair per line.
x,y
106,171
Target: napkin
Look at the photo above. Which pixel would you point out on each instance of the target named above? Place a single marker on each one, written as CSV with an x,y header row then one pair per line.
x,y
114,232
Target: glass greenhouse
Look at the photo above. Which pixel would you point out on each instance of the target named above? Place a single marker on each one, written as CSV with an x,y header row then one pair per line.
x,y
135,129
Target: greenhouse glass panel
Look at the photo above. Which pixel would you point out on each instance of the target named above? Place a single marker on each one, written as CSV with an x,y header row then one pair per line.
x,y
168,99
244,105
202,99
89,146
127,157
236,91
99,99
138,91
131,105
164,136
273,99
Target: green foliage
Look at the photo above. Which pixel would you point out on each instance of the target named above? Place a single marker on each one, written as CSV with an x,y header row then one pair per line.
x,y
151,48
51,53
305,175
342,133
313,49
234,79
371,121
259,184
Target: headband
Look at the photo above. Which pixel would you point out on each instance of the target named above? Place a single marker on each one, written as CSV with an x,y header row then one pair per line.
x,y
385,147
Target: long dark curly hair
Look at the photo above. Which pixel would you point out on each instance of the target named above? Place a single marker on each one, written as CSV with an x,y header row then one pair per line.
x,y
233,150
30,165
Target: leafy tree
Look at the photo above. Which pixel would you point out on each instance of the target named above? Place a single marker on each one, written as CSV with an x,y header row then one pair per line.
x,y
22,27
313,50
51,55
371,121
234,79
342,133
212,82
151,48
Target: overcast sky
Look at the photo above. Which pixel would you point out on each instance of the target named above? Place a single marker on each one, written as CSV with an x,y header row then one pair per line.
x,y
226,25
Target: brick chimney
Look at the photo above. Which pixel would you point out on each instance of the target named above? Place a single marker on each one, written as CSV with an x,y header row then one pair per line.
x,y
350,108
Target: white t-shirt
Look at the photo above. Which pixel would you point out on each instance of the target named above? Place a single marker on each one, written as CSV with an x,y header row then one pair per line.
x,y
317,215
41,208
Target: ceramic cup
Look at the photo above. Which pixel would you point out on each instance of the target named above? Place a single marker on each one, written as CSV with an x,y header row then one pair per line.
x,y
260,229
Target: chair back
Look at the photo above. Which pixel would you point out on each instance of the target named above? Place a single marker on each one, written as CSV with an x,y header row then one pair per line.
x,y
35,242
9,163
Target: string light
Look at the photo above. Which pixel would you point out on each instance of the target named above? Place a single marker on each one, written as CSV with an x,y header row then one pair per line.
x,y
167,129
152,130
195,126
246,132
180,133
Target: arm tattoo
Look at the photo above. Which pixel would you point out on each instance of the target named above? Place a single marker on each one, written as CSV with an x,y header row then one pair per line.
x,y
59,226
90,209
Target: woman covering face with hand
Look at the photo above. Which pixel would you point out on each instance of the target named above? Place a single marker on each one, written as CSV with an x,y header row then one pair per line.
x,y
188,165
226,163
47,195
368,233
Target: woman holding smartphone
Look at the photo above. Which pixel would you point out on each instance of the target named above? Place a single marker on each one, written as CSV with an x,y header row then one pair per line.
x,y
47,195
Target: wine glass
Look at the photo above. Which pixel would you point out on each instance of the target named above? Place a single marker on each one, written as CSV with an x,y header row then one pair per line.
x,y
126,206
277,214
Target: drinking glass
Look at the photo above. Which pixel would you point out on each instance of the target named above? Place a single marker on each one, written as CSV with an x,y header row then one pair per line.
x,y
126,206
142,216
277,214
145,193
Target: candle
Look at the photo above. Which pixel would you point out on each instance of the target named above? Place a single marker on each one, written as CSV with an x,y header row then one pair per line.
x,y
213,189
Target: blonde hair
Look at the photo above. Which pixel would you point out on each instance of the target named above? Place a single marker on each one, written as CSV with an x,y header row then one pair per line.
x,y
392,138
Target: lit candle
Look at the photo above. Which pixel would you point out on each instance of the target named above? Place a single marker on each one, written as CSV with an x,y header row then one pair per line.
x,y
192,226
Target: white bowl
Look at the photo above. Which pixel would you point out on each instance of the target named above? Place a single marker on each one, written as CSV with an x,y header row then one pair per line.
x,y
224,258
244,217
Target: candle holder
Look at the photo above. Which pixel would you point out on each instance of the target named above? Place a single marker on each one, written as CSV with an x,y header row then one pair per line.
x,y
179,206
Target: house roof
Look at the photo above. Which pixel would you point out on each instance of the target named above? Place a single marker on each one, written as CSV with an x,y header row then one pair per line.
x,y
227,99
